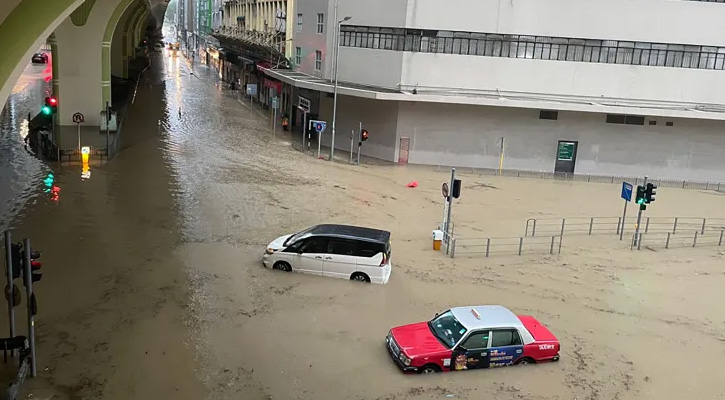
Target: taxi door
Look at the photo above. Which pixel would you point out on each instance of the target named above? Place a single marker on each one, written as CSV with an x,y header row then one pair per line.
x,y
473,352
506,348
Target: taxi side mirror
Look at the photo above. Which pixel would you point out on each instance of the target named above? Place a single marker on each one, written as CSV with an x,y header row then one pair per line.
x,y
436,316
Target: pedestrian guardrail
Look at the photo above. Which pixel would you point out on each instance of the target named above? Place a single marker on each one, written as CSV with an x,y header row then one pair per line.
x,y
504,245
668,240
613,225
673,183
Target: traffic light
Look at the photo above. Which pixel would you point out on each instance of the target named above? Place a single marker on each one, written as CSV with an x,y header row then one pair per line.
x,y
35,272
649,193
364,135
51,106
640,195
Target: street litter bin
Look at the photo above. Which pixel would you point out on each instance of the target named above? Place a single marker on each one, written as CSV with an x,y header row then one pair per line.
x,y
437,239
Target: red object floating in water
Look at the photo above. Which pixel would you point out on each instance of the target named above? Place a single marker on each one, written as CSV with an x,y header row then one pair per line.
x,y
413,184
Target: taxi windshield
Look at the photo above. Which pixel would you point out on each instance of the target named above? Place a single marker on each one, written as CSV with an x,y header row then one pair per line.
x,y
447,328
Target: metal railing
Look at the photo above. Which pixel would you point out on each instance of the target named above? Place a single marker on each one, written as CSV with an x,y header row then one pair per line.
x,y
673,183
683,239
612,225
504,245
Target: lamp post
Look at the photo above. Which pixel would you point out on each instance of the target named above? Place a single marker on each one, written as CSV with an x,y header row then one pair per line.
x,y
335,68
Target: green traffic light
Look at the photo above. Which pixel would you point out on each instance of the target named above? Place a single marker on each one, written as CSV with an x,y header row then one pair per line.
x,y
46,110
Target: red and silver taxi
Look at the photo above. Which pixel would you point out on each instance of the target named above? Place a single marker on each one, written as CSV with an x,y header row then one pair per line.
x,y
472,337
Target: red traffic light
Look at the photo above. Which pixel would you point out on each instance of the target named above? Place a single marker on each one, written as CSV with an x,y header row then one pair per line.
x,y
36,264
53,101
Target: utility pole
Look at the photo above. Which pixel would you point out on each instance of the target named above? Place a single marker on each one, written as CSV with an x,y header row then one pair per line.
x,y
450,202
639,217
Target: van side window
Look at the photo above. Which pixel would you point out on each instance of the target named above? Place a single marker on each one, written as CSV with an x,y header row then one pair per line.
x,y
368,249
342,247
316,245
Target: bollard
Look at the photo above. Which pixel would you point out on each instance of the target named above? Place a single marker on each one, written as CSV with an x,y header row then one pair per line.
x,y
646,226
591,224
704,221
488,246
521,244
533,233
694,241
639,241
619,223
453,248
551,249
563,223
674,229
721,234
560,239
667,243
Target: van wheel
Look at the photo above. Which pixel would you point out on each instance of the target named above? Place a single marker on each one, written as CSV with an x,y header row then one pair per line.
x,y
359,277
282,266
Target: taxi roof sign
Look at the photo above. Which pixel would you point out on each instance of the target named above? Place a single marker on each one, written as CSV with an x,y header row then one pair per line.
x,y
475,313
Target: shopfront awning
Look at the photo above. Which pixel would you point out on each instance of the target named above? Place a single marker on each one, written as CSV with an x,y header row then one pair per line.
x,y
504,99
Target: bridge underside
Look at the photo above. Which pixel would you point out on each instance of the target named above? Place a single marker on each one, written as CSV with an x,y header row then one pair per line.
x,y
90,41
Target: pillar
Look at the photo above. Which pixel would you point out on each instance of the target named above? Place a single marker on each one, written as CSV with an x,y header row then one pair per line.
x,y
83,76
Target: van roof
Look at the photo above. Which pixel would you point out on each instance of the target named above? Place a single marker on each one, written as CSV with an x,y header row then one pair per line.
x,y
351,232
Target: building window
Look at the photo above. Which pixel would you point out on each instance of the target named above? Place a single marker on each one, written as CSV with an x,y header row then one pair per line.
x,y
318,60
320,23
299,22
625,119
534,47
669,123
545,114
298,55
652,122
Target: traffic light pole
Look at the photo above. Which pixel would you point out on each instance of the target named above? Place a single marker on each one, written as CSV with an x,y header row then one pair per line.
x,y
108,129
27,266
10,292
639,218
450,207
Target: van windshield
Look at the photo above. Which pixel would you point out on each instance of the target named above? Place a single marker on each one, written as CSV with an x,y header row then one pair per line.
x,y
297,235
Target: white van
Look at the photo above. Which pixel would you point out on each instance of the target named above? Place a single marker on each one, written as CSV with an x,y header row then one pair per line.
x,y
338,251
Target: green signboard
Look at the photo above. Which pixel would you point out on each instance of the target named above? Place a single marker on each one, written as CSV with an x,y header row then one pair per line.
x,y
566,151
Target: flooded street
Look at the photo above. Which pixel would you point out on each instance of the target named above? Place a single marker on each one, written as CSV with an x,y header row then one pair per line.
x,y
153,284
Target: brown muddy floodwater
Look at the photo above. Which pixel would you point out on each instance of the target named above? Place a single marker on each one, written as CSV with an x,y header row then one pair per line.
x,y
154,288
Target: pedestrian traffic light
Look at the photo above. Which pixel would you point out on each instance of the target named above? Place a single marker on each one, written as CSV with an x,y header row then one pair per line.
x,y
649,193
640,195
16,250
456,192
364,135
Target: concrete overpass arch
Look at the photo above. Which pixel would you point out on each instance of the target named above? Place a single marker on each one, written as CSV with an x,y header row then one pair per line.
x,y
24,26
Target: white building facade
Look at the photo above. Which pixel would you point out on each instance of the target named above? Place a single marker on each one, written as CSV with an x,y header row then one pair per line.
x,y
622,87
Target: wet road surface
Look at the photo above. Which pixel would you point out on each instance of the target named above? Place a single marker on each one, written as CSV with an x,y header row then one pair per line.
x,y
153,286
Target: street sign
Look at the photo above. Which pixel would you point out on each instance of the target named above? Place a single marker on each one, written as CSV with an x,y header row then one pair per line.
x,y
444,190
85,150
251,89
627,191
275,103
319,126
78,118
566,151
304,104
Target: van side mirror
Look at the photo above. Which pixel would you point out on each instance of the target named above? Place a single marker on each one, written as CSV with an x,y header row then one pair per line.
x,y
299,251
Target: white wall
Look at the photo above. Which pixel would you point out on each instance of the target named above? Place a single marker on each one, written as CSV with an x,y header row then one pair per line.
x,y
380,118
562,77
371,67
470,136
686,22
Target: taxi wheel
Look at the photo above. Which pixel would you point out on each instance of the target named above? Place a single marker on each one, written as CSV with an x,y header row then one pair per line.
x,y
282,266
526,360
359,277
429,369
